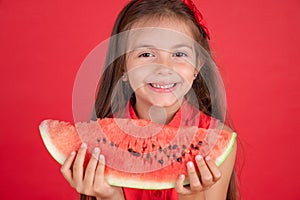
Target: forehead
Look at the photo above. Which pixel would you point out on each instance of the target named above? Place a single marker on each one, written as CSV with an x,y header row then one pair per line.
x,y
164,33
166,22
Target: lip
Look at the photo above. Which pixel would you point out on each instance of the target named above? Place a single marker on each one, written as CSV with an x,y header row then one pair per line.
x,y
162,87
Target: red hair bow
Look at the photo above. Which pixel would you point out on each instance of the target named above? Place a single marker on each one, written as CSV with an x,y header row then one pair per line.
x,y
198,15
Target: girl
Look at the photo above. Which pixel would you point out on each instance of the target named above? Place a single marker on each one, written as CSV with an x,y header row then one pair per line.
x,y
166,78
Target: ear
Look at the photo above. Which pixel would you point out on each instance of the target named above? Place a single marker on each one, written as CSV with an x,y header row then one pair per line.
x,y
124,77
196,72
197,69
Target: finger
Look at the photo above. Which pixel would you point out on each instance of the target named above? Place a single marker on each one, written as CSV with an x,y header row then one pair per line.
x,y
99,176
66,167
100,185
205,174
179,186
193,176
91,168
214,169
78,164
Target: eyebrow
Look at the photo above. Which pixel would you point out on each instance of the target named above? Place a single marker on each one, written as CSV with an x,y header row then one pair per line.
x,y
183,45
138,46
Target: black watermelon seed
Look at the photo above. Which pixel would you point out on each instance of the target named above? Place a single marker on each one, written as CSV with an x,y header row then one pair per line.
x,y
179,159
161,161
104,140
153,145
134,153
98,140
183,146
112,144
174,146
200,143
168,156
182,153
194,147
170,147
160,149
116,145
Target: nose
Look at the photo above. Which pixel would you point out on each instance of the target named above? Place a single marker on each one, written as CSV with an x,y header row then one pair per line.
x,y
165,63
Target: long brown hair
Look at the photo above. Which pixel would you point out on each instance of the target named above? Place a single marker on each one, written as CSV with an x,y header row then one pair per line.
x,y
108,102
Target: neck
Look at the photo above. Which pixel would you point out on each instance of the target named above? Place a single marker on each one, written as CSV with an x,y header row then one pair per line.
x,y
157,114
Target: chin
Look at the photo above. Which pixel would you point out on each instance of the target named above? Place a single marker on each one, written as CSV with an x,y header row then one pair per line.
x,y
166,103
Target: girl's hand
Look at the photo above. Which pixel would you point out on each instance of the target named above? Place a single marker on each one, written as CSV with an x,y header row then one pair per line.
x,y
209,175
90,181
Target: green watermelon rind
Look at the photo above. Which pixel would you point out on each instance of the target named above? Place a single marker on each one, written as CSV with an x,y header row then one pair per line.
x,y
57,155
153,185
223,157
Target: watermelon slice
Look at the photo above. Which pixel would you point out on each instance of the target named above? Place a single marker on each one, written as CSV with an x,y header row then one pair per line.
x,y
139,153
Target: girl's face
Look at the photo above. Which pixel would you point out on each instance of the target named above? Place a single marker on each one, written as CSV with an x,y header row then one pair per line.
x,y
161,62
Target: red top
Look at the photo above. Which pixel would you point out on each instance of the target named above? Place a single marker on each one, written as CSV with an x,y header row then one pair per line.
x,y
187,115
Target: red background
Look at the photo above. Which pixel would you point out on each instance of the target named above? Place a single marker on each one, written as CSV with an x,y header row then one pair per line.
x,y
42,44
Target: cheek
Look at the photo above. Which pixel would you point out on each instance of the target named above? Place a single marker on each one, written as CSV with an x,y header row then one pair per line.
x,y
135,80
187,74
129,63
137,76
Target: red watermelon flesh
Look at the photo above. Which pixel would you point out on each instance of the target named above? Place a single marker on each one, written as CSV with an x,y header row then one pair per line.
x,y
139,153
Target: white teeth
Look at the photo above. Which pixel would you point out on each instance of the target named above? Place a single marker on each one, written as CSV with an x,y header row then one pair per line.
x,y
155,85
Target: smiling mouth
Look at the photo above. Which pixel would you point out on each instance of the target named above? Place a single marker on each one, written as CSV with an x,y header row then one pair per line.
x,y
162,86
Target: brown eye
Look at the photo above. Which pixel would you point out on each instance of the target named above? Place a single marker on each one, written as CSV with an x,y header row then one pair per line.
x,y
180,54
146,55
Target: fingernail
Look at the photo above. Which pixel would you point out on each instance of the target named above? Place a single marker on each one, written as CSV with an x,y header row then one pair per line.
x,y
83,145
207,158
181,176
102,159
198,157
190,164
96,150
